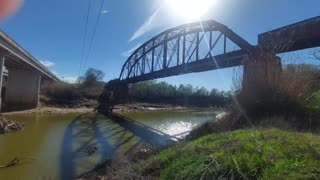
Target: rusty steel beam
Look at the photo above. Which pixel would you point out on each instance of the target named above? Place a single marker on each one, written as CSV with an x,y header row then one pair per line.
x,y
230,59
298,36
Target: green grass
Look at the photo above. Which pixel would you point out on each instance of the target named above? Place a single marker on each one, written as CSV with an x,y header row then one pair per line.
x,y
240,154
315,101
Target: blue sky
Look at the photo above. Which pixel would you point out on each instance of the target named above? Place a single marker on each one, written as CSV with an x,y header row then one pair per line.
x,y
53,31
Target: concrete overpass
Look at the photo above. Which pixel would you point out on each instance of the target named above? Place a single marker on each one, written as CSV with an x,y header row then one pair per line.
x,y
20,76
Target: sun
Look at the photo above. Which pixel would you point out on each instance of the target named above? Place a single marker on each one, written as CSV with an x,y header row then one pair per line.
x,y
190,9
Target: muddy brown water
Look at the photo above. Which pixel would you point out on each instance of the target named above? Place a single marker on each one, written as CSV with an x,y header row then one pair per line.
x,y
52,146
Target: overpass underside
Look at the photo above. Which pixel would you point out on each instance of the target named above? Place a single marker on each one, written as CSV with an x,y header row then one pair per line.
x,y
20,85
20,76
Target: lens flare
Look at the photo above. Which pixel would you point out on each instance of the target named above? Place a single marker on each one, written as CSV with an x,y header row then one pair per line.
x,y
190,9
8,7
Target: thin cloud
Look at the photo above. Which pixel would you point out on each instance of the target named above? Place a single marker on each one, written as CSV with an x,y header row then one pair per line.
x,y
47,63
69,79
146,26
130,51
104,11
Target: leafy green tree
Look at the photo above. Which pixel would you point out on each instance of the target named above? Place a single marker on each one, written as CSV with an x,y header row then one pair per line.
x,y
91,84
92,76
163,92
202,92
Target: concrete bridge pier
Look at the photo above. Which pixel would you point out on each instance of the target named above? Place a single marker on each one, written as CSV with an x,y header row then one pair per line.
x,y
22,90
261,73
114,93
20,76
2,60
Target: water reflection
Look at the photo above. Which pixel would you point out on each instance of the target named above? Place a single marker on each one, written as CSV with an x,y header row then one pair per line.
x,y
107,134
174,123
57,142
177,127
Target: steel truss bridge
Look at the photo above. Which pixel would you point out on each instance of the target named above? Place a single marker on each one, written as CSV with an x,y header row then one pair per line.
x,y
209,45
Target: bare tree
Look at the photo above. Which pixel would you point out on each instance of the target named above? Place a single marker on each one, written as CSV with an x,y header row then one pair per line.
x,y
316,54
91,77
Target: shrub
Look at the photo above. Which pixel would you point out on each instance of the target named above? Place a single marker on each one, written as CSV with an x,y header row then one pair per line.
x,y
92,92
286,96
293,102
60,91
314,101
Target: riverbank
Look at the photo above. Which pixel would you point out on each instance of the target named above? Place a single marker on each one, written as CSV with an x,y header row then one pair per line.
x,y
146,107
272,149
50,110
131,107
241,154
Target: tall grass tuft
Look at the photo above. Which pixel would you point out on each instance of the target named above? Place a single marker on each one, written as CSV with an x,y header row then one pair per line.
x,y
286,96
60,91
289,102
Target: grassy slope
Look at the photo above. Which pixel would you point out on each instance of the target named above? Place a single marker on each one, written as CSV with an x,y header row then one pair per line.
x,y
315,101
242,154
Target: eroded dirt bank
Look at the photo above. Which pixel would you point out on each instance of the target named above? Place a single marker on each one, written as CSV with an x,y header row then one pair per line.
x,y
118,108
51,110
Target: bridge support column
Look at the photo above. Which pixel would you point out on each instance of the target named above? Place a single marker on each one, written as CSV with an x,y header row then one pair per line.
x,y
2,60
22,90
114,93
261,73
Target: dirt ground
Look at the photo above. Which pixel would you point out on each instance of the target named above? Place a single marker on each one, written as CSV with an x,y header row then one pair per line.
x,y
118,108
51,110
145,107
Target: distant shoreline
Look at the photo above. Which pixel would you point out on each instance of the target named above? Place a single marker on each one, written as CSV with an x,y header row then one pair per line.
x,y
130,107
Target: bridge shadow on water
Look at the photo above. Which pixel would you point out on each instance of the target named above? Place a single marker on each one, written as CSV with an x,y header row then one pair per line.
x,y
111,135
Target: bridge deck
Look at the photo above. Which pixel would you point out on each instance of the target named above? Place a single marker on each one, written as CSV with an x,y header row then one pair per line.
x,y
297,36
19,58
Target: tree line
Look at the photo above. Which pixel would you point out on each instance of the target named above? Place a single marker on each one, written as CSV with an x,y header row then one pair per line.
x,y
91,85
187,95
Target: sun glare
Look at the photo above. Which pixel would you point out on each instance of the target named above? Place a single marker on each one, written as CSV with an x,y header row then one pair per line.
x,y
190,9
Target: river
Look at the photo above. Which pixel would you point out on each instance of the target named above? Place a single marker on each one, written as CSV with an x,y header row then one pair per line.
x,y
51,146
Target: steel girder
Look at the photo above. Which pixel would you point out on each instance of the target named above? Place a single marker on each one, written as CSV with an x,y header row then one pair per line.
x,y
188,48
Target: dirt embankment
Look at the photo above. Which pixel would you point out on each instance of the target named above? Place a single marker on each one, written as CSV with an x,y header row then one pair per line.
x,y
51,110
62,103
45,109
145,107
